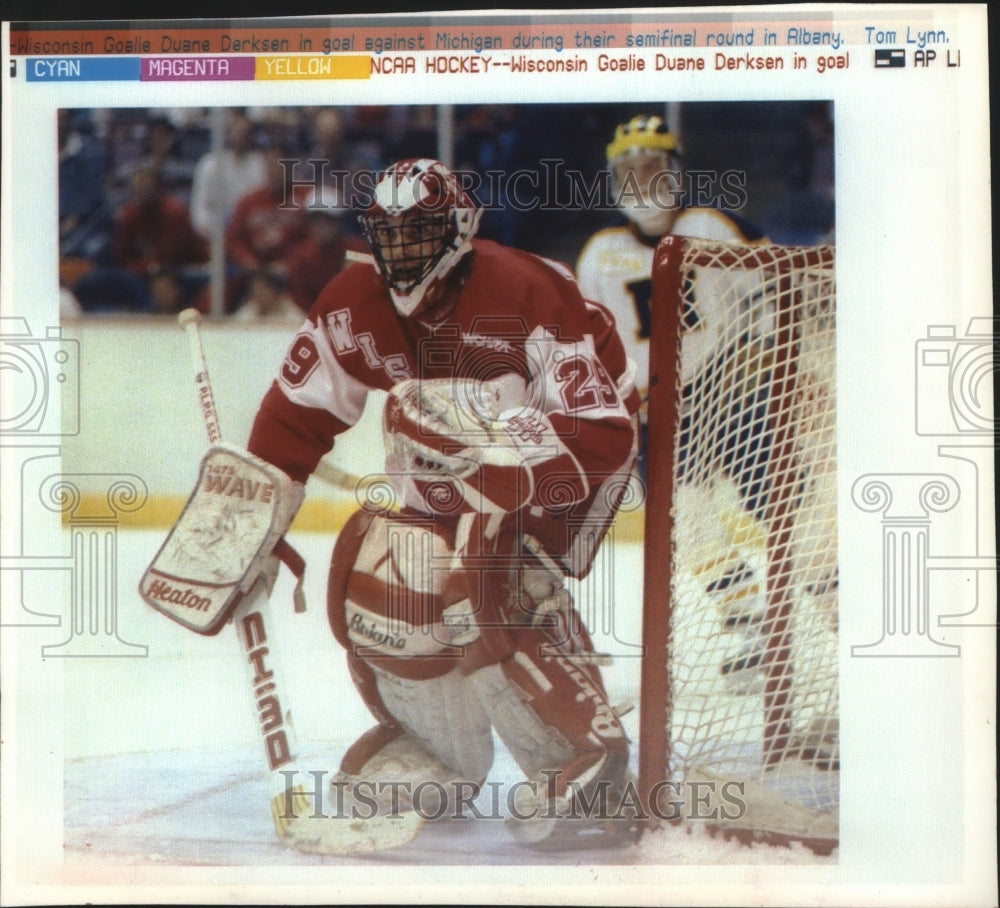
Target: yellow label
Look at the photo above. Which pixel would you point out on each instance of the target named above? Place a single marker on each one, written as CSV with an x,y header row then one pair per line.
x,y
313,66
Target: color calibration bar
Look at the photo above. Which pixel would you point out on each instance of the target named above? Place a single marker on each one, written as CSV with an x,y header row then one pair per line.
x,y
196,69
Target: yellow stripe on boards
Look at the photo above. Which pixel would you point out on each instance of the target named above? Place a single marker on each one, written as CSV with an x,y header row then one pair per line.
x,y
317,515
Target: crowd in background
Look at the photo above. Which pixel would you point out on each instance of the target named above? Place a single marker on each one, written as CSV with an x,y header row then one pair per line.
x,y
144,195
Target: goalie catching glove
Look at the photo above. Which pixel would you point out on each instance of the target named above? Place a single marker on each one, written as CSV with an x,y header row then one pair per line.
x,y
227,537
478,438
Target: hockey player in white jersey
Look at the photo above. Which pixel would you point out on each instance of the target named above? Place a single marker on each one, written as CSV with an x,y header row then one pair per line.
x,y
614,269
615,265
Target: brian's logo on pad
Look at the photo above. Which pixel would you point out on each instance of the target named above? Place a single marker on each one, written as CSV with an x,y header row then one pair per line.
x,y
164,592
371,631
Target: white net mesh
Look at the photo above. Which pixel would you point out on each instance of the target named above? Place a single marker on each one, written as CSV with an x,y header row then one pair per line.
x,y
752,655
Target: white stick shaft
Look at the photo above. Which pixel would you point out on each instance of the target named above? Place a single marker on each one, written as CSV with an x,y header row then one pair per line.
x,y
206,400
266,680
189,320
337,477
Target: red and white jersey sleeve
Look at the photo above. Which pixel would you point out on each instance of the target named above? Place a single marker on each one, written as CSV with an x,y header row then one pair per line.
x,y
582,381
579,375
316,395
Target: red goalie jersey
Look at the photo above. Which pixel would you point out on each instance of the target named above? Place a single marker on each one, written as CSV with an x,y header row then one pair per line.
x,y
508,314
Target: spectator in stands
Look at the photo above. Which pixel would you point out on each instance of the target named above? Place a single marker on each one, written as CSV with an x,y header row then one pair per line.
x,y
154,230
165,154
222,177
331,139
267,300
410,132
156,252
126,143
321,254
266,222
85,221
327,136
279,126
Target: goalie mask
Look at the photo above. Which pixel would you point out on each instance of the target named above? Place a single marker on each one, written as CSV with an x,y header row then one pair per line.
x,y
644,159
419,225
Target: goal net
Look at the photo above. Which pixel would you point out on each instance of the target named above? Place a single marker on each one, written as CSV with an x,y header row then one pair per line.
x,y
739,685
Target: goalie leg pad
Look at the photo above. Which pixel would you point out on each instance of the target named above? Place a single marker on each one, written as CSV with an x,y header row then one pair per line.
x,y
395,596
548,710
426,759
555,720
388,785
445,717
549,605
237,514
401,774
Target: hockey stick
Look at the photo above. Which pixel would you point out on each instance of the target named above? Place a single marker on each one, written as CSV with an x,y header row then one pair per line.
x,y
298,821
189,320
267,686
341,479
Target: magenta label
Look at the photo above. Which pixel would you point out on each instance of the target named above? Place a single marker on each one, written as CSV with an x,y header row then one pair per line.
x,y
195,69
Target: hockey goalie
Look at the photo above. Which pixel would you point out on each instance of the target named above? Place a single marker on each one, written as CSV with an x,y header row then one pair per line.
x,y
510,435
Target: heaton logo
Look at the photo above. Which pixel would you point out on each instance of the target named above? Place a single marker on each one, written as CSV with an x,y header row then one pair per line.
x,y
162,591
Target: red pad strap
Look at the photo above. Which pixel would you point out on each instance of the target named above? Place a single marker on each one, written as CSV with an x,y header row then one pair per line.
x,y
297,565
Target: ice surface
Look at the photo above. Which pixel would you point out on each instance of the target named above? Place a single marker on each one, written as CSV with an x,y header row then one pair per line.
x,y
163,766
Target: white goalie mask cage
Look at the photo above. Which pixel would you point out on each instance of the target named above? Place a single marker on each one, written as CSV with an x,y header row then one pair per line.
x,y
419,225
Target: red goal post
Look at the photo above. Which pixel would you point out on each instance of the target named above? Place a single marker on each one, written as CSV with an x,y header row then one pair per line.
x,y
739,676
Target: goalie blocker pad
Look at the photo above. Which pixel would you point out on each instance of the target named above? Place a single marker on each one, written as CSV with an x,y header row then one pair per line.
x,y
236,516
